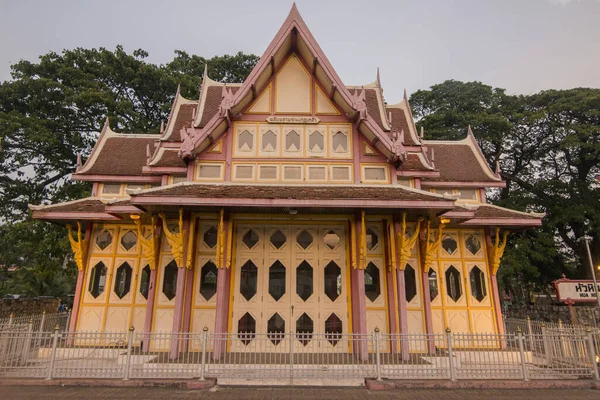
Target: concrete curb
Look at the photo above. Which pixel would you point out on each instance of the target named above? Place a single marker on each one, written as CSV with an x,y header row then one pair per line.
x,y
180,384
386,384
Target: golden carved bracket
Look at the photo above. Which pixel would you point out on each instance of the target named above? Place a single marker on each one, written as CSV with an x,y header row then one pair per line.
x,y
78,246
149,244
391,248
175,240
190,249
497,250
221,240
362,250
429,248
405,245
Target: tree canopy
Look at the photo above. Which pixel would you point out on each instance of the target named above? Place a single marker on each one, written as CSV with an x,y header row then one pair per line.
x,y
52,110
548,148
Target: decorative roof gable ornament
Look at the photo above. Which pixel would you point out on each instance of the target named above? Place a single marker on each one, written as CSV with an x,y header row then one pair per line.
x,y
359,103
226,103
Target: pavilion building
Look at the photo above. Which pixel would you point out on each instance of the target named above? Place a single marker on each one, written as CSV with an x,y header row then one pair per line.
x,y
288,203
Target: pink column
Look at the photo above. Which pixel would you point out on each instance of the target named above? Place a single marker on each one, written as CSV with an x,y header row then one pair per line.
x,y
402,314
400,289
227,144
497,307
359,307
494,282
189,292
180,294
80,281
152,292
222,311
427,310
391,305
356,141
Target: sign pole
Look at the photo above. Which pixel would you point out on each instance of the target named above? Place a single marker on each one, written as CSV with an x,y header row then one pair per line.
x,y
586,239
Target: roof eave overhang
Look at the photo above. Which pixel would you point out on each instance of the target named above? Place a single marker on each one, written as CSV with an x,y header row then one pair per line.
x,y
123,209
75,216
165,170
418,174
518,222
299,203
116,178
454,184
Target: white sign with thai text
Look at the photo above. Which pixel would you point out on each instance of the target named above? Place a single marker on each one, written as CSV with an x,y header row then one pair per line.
x,y
577,291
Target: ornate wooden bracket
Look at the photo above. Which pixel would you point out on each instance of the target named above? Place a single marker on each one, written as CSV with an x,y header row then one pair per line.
x,y
406,244
391,248
353,242
78,246
497,250
429,248
362,250
190,250
221,241
229,247
175,240
149,244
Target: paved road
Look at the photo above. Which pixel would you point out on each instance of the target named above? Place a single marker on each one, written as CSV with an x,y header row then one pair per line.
x,y
103,393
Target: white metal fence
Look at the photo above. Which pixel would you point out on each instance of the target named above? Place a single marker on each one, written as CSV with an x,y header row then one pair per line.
x,y
40,322
25,353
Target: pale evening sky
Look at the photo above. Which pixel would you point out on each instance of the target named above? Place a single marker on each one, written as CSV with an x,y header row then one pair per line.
x,y
521,45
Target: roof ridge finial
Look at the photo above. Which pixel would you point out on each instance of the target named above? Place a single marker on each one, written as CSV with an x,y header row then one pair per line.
x,y
498,168
205,73
148,154
378,79
470,131
422,133
178,92
405,95
162,126
433,157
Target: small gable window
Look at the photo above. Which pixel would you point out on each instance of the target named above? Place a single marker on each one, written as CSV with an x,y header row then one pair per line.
x,y
316,142
292,141
269,141
340,142
245,141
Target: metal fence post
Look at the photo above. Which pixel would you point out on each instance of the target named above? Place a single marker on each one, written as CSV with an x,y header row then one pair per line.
x,y
547,349
291,339
28,340
377,355
203,361
128,359
450,356
53,353
43,322
522,352
530,333
592,352
68,320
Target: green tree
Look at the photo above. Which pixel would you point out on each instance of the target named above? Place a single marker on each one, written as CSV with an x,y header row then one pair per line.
x,y
52,110
548,147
